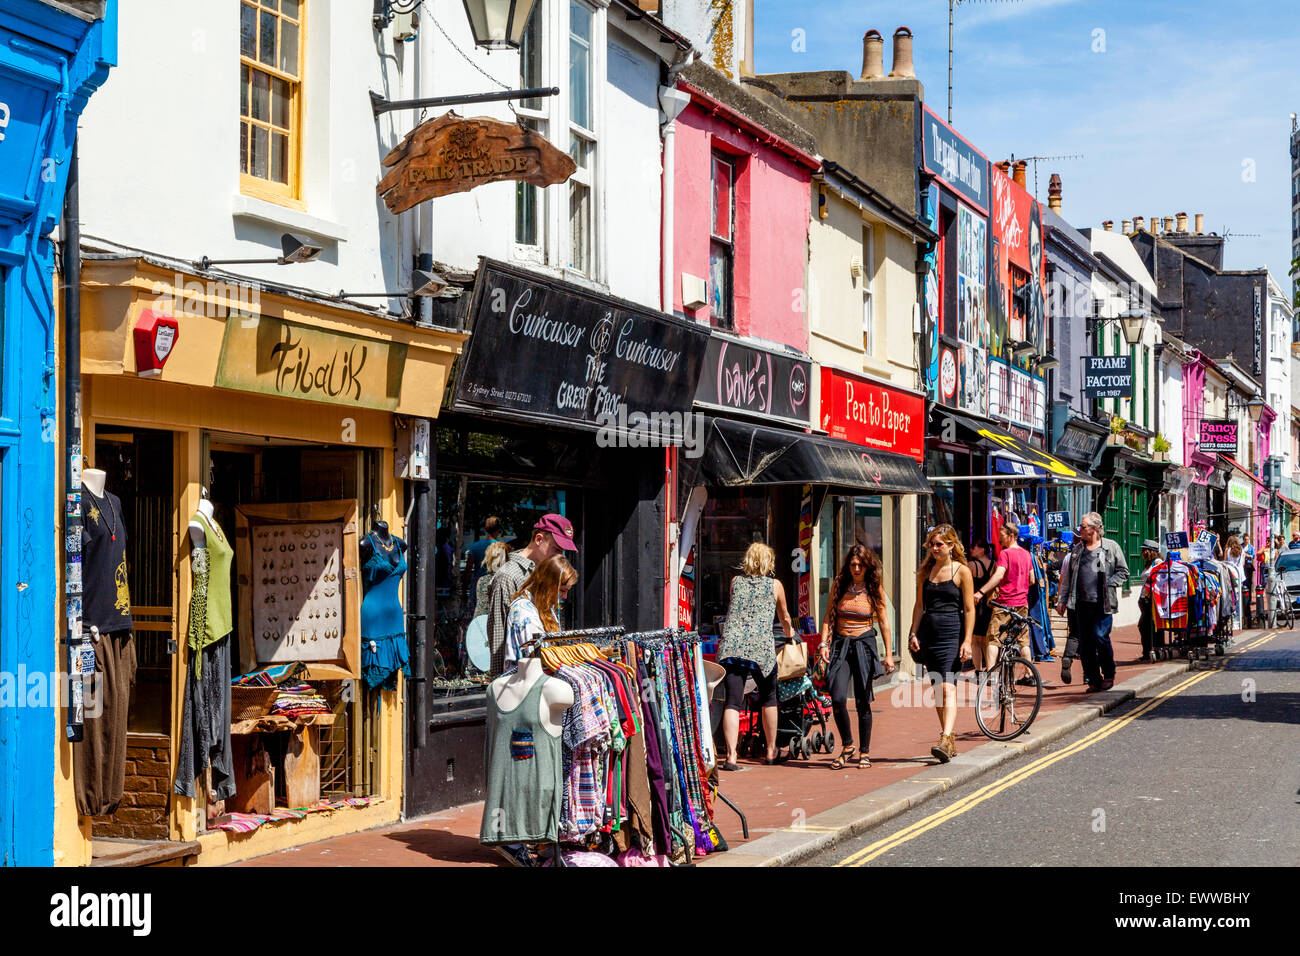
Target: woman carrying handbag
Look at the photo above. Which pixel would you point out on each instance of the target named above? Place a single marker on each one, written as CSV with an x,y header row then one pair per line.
x,y
855,609
748,647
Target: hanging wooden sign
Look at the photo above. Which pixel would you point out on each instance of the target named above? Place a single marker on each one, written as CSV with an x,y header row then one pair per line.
x,y
452,154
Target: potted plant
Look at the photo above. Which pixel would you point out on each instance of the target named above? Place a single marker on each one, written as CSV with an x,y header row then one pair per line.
x,y
1116,431
1161,447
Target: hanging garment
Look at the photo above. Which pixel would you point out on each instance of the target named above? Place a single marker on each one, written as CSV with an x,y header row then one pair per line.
x,y
205,725
524,788
661,808
99,758
106,598
383,625
211,616
1173,594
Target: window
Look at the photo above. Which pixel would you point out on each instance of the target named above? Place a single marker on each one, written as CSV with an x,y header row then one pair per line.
x,y
868,282
270,95
722,242
529,205
582,140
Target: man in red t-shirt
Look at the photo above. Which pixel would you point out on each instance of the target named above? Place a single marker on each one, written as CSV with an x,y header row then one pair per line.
x,y
1014,571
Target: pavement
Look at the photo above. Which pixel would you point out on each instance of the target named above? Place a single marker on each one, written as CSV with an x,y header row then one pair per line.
x,y
1200,773
798,809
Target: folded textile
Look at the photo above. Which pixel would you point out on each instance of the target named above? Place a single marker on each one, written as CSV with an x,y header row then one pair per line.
x,y
268,676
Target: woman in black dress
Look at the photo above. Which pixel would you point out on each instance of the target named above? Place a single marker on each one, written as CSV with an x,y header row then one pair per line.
x,y
943,621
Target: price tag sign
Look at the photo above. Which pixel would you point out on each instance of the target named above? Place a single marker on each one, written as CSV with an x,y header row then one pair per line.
x,y
1176,540
1057,520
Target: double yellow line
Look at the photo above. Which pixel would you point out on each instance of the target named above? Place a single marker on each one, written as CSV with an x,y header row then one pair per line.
x,y
956,809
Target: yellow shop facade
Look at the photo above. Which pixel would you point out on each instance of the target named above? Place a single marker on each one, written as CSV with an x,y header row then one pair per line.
x,y
290,416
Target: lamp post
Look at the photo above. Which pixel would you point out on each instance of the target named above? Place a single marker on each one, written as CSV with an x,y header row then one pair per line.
x,y
498,24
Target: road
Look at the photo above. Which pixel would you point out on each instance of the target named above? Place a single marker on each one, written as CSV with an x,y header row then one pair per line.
x,y
1201,771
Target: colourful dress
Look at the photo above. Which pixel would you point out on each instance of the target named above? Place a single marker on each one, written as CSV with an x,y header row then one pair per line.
x,y
383,622
747,632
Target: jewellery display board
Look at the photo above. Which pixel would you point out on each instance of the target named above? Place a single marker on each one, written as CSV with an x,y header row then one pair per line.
x,y
299,587
297,591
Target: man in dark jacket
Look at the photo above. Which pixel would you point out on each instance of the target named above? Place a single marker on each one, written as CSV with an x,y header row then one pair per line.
x,y
1090,584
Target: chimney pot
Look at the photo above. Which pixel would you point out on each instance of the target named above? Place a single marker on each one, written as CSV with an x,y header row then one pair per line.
x,y
1108,224
1139,224
903,65
1155,225
1127,227
1182,222
1200,223
873,55
1054,193
1169,223
1018,172
1005,166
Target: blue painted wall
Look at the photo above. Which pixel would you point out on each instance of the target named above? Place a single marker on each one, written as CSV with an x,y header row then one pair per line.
x,y
50,63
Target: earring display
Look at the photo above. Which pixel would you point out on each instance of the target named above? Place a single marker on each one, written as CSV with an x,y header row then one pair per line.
x,y
288,604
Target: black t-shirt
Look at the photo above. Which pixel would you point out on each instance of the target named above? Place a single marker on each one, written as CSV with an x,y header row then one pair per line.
x,y
106,600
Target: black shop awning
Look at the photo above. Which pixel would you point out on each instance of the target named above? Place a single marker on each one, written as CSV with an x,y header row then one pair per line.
x,y
738,453
1004,444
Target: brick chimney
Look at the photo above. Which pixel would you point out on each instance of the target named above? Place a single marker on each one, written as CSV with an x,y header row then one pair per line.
x,y
1200,224
1126,227
873,56
1182,222
1169,224
1155,225
1054,193
903,65
1018,172
1139,224
1108,224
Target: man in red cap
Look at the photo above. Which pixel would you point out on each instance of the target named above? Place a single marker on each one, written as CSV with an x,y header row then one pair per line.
x,y
552,534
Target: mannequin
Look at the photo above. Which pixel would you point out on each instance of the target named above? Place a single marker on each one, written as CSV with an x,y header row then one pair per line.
x,y
384,649
509,690
205,728
99,758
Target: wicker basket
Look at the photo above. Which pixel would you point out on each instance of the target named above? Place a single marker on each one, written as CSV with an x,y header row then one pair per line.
x,y
249,702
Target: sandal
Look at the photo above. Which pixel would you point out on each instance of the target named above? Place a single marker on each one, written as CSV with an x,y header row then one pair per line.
x,y
730,766
864,762
840,762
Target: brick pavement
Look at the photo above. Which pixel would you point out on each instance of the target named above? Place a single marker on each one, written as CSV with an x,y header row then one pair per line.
x,y
904,729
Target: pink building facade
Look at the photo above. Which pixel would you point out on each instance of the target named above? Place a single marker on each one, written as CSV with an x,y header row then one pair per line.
x,y
740,214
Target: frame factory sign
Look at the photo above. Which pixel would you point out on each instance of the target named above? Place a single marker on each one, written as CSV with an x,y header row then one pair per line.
x,y
1108,376
452,154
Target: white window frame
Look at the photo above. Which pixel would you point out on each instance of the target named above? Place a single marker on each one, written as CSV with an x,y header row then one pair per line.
x,y
539,253
554,243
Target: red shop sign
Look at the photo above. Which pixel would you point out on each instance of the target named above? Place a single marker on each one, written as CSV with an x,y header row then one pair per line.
x,y
868,413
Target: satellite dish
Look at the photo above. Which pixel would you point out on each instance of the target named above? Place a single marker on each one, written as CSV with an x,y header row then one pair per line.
x,y
476,643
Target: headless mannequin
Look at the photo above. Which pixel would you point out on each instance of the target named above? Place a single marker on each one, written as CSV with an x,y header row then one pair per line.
x,y
509,690
198,535
94,480
384,535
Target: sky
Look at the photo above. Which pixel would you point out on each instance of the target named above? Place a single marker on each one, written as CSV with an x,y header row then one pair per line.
x,y
1175,105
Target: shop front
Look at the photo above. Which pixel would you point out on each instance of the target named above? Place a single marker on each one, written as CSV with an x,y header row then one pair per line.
x,y
252,455
567,401
53,57
1079,445
1129,501
1248,504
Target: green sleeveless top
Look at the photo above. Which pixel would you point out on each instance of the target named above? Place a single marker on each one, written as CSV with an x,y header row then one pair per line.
x,y
524,766
211,617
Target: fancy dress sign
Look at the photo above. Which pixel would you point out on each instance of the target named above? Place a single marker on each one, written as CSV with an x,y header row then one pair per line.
x,y
452,154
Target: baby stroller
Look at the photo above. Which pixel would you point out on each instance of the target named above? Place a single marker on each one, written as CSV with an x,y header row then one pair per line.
x,y
800,721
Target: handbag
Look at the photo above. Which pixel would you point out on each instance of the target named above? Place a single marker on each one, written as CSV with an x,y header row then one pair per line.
x,y
792,660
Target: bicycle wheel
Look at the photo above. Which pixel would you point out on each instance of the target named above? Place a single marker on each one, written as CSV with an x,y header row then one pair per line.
x,y
1008,698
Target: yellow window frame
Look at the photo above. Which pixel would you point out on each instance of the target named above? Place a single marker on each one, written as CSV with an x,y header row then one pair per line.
x,y
285,194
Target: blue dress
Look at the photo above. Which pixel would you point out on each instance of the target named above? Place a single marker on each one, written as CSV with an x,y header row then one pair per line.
x,y
383,622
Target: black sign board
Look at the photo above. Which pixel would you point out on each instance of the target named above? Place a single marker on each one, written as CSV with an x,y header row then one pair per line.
x,y
1176,540
1108,376
1078,443
545,350
1058,520
747,379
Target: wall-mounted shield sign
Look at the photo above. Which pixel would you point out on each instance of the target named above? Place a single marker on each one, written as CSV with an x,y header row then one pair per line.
x,y
452,154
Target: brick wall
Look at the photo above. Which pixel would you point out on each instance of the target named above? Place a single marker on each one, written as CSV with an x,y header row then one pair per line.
x,y
142,815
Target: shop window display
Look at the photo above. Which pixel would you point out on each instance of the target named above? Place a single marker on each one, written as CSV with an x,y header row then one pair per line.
x,y
732,521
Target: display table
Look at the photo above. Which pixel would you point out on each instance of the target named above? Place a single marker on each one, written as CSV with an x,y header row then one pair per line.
x,y
254,774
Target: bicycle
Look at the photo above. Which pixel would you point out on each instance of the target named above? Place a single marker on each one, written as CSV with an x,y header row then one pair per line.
x,y
1281,607
1011,691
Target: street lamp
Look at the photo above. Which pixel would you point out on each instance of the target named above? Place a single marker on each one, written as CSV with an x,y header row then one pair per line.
x,y
1256,409
498,24
1134,325
423,283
